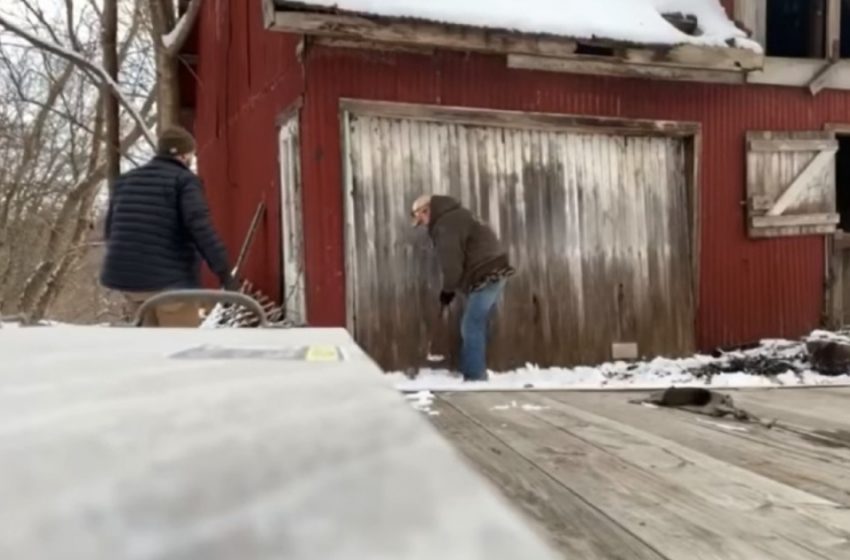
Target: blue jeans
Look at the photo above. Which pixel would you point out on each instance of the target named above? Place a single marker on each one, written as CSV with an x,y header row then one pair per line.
x,y
473,330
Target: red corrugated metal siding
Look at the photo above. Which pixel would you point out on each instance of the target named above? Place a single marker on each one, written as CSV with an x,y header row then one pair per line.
x,y
246,78
748,289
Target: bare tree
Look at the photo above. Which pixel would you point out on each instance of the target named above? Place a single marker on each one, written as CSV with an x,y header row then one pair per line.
x,y
66,122
61,111
169,34
92,70
111,115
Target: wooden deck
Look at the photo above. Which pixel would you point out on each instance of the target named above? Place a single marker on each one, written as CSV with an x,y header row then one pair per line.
x,y
605,479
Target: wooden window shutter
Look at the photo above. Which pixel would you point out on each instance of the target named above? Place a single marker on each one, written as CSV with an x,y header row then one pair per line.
x,y
791,183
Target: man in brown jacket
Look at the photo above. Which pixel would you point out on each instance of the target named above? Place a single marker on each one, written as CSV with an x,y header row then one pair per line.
x,y
473,261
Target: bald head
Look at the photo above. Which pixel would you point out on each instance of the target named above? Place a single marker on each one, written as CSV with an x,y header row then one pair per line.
x,y
421,211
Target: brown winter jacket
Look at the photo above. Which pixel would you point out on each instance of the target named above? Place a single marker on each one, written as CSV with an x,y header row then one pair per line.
x,y
468,250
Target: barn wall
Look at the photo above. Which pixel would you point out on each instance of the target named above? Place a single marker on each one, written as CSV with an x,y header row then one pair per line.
x,y
246,77
748,289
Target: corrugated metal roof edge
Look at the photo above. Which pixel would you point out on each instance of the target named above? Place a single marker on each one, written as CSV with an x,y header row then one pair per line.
x,y
306,7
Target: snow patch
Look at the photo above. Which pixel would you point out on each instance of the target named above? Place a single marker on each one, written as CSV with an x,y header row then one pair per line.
x,y
16,324
774,363
514,406
423,401
631,21
828,336
728,427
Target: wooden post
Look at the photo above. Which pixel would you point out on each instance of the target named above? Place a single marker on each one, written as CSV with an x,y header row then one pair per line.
x,y
833,29
753,14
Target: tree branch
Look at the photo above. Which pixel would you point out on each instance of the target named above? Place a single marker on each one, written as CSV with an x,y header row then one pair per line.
x,y
176,39
72,33
38,13
81,62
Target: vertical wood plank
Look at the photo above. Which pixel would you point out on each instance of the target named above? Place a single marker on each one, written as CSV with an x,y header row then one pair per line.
x,y
833,29
575,240
753,14
294,286
593,266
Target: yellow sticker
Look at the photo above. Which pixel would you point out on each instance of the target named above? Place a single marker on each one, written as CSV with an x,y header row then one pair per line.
x,y
322,354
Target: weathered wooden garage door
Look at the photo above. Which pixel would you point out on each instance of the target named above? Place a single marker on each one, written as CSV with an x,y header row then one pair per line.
x,y
598,226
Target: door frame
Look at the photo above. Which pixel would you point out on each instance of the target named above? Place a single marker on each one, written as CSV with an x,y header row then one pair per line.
x,y
690,132
293,284
833,246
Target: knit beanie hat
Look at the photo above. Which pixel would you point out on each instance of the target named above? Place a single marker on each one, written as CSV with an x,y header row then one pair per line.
x,y
175,141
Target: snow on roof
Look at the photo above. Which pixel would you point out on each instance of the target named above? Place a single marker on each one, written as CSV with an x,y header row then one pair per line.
x,y
629,21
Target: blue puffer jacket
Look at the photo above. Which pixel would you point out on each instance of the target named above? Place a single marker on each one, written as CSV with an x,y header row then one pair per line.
x,y
157,226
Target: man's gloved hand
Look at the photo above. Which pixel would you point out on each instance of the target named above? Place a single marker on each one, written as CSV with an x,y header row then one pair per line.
x,y
232,284
446,298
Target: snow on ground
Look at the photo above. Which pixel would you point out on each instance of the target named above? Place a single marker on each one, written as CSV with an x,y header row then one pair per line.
x,y
829,336
632,21
45,323
774,363
514,405
423,401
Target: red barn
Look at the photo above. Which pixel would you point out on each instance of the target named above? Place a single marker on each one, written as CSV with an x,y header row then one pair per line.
x,y
662,183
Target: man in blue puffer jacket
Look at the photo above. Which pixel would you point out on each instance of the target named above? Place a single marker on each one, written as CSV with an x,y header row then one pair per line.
x,y
158,228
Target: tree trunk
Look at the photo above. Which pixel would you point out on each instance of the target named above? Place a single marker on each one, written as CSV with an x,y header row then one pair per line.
x,y
110,99
31,146
57,244
163,20
168,90
76,252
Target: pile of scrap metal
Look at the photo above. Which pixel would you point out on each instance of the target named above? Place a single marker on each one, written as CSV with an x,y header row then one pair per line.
x,y
753,364
829,354
826,353
237,315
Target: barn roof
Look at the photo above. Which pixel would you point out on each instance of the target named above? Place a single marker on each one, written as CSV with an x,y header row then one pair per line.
x,y
638,22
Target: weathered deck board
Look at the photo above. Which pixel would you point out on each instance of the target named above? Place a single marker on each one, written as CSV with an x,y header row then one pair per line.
x,y
818,408
578,529
820,524
111,448
777,454
830,398
820,415
638,486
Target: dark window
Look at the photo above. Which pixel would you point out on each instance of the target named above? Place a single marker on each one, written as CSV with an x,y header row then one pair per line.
x,y
796,28
842,182
845,28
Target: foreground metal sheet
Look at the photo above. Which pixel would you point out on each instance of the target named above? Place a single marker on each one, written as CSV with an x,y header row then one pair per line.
x,y
113,448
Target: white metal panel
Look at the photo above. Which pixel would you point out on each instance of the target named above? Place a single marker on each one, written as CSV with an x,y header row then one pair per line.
x,y
112,448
